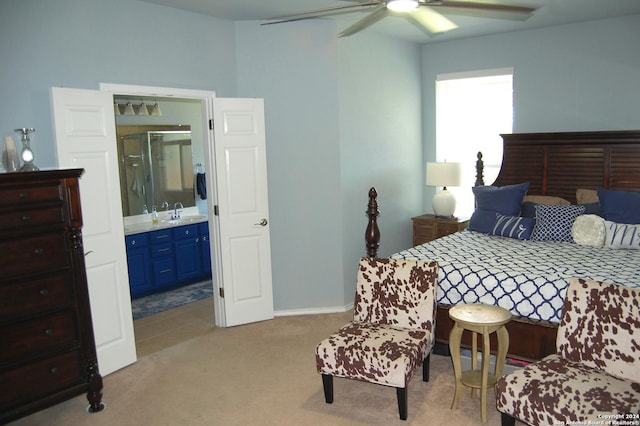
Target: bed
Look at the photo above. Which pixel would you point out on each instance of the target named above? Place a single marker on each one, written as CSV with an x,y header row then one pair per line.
x,y
530,277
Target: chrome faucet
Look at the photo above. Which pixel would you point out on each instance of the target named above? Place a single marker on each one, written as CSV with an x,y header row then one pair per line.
x,y
164,206
177,214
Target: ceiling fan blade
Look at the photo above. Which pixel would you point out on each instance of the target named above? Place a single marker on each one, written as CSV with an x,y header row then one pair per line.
x,y
321,12
483,10
429,21
379,13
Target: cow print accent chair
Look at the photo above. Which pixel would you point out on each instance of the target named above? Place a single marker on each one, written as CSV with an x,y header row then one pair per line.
x,y
594,377
392,331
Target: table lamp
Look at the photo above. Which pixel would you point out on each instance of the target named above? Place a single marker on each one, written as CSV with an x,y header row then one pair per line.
x,y
443,174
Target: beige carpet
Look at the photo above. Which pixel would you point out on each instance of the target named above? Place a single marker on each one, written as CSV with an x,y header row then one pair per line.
x,y
261,374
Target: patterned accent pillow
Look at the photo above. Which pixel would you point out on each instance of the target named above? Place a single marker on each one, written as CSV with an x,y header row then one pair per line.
x,y
588,230
513,227
621,235
553,223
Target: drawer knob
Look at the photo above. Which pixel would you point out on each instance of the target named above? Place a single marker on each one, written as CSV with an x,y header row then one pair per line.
x,y
26,217
54,370
38,251
133,243
49,332
44,292
22,195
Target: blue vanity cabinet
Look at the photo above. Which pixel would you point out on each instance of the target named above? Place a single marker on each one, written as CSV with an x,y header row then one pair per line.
x,y
162,258
187,252
205,248
139,263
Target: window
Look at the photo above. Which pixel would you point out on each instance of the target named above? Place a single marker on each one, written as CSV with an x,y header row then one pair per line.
x,y
472,110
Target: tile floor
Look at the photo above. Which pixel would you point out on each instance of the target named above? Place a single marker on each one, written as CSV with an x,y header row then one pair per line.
x,y
168,328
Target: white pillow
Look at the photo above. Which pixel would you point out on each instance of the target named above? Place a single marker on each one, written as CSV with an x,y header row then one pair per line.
x,y
621,235
588,230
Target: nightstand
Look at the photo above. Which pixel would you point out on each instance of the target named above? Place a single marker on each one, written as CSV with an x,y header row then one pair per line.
x,y
427,227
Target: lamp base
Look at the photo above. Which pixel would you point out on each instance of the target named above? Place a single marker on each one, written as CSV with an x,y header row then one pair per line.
x,y
444,204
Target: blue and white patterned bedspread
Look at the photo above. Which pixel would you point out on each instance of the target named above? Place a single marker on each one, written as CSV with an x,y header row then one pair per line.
x,y
529,278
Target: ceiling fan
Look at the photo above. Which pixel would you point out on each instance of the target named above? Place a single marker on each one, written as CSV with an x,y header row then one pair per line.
x,y
425,14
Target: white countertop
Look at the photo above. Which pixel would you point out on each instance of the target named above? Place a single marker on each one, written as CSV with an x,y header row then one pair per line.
x,y
143,223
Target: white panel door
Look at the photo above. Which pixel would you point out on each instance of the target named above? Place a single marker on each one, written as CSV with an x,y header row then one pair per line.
x,y
241,181
85,138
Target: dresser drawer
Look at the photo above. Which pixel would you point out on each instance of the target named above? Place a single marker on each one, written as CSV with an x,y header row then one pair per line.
x,y
28,297
36,217
40,378
21,195
33,254
37,335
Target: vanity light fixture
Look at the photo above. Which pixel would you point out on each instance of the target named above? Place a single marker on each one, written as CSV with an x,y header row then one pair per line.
x,y
142,110
156,111
128,109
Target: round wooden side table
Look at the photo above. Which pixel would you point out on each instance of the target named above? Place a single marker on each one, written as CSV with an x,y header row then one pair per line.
x,y
479,319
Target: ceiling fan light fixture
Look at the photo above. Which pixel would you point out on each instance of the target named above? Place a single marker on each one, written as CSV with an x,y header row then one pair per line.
x,y
402,5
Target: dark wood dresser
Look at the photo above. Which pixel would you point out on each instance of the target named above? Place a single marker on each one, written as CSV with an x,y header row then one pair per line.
x,y
47,349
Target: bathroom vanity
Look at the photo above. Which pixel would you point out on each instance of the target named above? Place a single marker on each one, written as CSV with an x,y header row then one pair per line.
x,y
166,255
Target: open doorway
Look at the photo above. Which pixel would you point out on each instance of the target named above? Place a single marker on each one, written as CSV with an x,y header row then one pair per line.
x,y
158,170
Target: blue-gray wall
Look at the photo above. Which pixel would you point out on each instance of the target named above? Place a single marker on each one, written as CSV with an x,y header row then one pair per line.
x,y
341,114
325,122
576,77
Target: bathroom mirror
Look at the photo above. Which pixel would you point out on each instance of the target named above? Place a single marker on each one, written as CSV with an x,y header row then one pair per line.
x,y
156,167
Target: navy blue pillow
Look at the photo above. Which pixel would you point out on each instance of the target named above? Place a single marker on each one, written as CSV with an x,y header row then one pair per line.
x,y
592,208
528,209
505,200
620,206
513,227
482,221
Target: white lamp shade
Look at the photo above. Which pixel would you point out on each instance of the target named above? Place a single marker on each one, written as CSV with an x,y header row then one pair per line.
x,y
443,174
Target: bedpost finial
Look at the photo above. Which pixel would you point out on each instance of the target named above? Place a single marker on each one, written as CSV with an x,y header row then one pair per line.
x,y
372,234
479,170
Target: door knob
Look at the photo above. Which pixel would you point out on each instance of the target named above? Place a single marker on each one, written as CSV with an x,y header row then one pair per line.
x,y
263,222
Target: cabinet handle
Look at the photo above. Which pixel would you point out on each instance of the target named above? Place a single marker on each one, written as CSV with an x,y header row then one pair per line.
x,y
49,332
164,271
26,217
186,232
161,236
163,249
133,243
23,195
38,251
53,370
44,292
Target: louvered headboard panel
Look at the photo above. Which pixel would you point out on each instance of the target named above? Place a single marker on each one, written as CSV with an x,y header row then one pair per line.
x,y
559,163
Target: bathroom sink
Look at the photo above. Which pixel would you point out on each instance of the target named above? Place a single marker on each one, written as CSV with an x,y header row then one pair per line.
x,y
186,220
135,228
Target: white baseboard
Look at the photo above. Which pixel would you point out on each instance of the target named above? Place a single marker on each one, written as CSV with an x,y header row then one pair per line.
x,y
314,311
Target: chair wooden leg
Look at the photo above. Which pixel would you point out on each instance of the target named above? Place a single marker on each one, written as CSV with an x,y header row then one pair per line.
x,y
327,384
507,420
402,402
425,368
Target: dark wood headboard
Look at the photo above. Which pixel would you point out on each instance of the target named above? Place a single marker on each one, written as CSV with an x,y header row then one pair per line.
x,y
559,163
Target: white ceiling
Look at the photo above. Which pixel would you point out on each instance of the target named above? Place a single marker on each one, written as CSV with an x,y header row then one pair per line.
x,y
550,12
